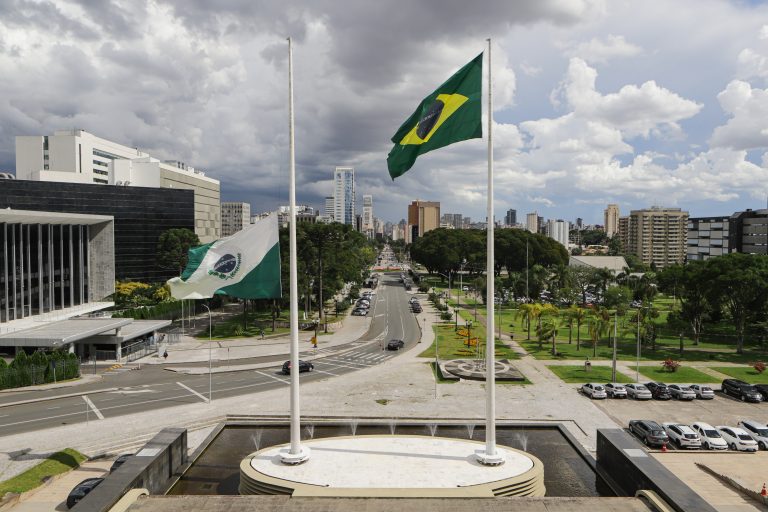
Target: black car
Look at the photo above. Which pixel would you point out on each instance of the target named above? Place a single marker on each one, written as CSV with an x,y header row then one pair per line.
x,y
649,432
81,490
120,461
740,389
659,390
762,389
304,366
395,344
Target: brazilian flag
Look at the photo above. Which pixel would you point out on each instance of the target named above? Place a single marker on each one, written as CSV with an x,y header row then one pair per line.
x,y
450,114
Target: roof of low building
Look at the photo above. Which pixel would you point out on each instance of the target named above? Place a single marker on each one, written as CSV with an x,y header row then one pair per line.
x,y
614,263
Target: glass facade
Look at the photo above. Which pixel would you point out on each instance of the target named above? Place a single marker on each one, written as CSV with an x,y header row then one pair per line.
x,y
141,215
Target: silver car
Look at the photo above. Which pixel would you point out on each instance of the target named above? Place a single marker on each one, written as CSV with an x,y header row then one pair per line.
x,y
682,392
594,390
615,390
638,392
703,392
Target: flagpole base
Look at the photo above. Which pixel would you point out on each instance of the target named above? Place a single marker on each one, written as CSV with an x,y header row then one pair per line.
x,y
293,459
497,459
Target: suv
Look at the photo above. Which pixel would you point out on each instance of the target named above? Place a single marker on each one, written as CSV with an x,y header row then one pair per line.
x,y
740,389
659,390
757,431
395,344
682,435
81,490
304,366
649,432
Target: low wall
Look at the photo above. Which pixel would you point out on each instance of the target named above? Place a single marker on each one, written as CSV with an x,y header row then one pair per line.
x,y
152,468
626,466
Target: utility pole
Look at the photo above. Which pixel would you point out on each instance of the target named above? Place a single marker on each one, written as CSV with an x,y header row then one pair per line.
x,y
526,269
613,365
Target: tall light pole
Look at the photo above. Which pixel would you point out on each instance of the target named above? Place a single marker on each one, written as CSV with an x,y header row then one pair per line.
x,y
613,366
210,348
637,368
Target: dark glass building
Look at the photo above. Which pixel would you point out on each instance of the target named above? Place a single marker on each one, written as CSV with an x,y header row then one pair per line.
x,y
141,215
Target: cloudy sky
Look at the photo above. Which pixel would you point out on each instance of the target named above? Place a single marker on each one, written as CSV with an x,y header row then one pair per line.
x,y
635,102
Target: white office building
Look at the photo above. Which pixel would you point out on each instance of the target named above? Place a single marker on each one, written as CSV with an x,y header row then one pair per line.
x,y
77,156
532,222
344,195
329,208
558,230
368,220
234,217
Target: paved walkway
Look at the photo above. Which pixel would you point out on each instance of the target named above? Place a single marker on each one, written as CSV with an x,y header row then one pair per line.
x,y
52,496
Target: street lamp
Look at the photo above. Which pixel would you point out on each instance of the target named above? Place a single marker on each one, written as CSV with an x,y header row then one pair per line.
x,y
456,314
210,347
461,281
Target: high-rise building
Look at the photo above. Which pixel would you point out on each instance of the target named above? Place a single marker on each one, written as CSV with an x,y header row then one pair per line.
x,y
344,195
532,222
304,213
329,207
707,237
511,218
558,230
423,216
748,232
77,156
656,235
579,222
368,219
234,217
611,215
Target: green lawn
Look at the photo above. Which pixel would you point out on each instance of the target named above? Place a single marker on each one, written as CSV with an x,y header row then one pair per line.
x,y
576,374
747,374
452,345
54,464
682,375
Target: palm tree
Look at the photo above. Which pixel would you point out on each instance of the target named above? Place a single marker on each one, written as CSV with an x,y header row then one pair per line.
x,y
579,315
598,326
527,312
545,314
567,315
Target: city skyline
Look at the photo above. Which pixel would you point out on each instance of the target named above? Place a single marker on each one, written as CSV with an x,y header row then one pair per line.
x,y
570,137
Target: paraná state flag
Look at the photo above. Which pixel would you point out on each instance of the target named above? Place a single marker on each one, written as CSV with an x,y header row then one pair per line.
x,y
245,265
450,114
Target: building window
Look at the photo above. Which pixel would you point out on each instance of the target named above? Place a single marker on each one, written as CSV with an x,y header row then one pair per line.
x,y
45,167
101,171
102,154
97,162
97,180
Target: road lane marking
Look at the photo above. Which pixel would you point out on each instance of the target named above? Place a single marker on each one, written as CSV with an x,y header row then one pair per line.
x,y
327,373
204,399
273,377
57,407
96,411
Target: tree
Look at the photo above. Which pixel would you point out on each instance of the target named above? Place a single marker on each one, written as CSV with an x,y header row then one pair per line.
x,y
579,315
173,246
598,326
527,312
582,278
618,298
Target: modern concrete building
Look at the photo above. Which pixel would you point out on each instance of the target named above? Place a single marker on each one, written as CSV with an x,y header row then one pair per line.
x,y
748,232
141,215
77,156
611,215
368,227
558,230
510,219
234,217
304,213
344,195
707,237
423,216
456,220
329,207
656,235
532,222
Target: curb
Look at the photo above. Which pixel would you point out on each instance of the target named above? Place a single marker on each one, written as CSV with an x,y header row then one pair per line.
x,y
48,398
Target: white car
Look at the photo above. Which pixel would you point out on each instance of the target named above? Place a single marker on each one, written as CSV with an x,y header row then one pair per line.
x,y
710,437
703,392
682,435
638,392
594,390
757,431
737,438
681,392
614,390
412,300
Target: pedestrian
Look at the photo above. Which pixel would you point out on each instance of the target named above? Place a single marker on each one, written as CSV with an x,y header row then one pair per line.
x,y
261,331
165,355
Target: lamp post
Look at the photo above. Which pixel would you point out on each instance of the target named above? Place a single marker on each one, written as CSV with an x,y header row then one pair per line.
x,y
637,368
461,282
456,315
210,348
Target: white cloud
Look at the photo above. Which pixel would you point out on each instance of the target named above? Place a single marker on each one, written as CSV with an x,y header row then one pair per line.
x,y
602,50
747,127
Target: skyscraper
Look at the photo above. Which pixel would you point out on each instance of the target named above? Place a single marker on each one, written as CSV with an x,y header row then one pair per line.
x,y
611,220
423,216
329,207
368,223
657,236
344,195
558,230
234,217
511,218
532,222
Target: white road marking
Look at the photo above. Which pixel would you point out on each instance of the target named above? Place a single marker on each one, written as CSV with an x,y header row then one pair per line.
x,y
57,407
327,373
93,407
273,377
204,399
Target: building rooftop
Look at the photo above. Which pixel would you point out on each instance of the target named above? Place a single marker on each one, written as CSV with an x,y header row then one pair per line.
x,y
614,263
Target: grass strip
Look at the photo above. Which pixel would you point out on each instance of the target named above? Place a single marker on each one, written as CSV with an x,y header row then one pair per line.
x,y
55,464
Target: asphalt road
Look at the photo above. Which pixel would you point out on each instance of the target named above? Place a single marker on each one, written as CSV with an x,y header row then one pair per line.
x,y
153,388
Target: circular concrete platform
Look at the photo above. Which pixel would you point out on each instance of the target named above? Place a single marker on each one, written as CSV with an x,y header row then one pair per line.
x,y
406,466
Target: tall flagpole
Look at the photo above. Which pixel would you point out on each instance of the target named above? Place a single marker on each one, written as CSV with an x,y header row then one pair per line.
x,y
490,456
297,453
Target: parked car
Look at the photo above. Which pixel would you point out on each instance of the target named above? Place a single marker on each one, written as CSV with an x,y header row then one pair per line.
x,y
614,390
737,439
412,300
710,437
593,390
362,305
740,389
659,390
638,392
120,461
757,431
682,435
360,312
703,392
395,344
763,389
416,308
304,366
681,392
649,432
81,490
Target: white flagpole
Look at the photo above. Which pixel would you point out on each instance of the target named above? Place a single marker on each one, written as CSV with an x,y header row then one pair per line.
x,y
296,454
490,456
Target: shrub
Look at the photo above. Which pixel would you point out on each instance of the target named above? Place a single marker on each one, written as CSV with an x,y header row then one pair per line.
x,y
423,288
670,365
759,366
445,315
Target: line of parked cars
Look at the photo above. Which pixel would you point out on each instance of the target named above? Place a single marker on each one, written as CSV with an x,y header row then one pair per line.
x,y
415,305
84,488
747,436
363,304
648,391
